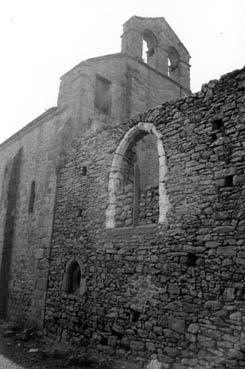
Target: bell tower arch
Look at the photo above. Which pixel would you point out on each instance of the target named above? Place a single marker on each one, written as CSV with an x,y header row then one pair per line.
x,y
152,40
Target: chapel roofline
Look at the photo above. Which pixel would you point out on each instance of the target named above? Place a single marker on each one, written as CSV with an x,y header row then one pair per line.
x,y
51,112
122,55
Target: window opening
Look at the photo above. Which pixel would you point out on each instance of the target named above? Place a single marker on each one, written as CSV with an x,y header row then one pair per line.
x,y
172,60
144,51
213,137
135,315
80,213
32,198
102,101
74,278
218,125
142,145
84,171
228,181
137,200
191,259
218,129
169,67
149,45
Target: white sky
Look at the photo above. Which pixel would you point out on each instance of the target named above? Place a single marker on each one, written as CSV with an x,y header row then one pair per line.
x,y
42,39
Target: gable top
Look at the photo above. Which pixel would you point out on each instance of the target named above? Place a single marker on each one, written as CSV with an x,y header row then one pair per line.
x,y
155,23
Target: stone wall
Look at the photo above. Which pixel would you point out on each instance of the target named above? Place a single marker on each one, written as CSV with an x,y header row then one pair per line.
x,y
164,47
174,289
24,234
12,176
94,95
131,87
135,87
148,212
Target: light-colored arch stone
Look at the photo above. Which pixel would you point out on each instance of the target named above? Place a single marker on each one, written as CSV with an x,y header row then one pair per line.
x,y
115,175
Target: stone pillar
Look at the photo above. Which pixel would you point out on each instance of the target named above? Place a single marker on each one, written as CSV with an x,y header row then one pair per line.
x,y
132,43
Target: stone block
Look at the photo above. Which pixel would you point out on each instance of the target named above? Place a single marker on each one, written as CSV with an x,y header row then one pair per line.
x,y
236,316
176,324
41,284
235,354
241,84
212,244
154,364
206,342
229,293
212,305
193,328
150,347
238,179
118,329
39,254
136,345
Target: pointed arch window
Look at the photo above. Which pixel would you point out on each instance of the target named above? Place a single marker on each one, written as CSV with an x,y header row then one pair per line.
x,y
137,181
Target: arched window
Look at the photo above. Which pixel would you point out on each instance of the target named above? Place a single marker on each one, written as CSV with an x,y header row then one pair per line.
x,y
149,45
169,67
173,60
137,192
74,281
32,198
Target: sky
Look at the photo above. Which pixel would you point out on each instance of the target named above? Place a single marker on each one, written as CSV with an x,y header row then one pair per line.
x,y
42,39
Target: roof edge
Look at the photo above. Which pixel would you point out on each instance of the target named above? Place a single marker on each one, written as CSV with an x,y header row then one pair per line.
x,y
50,112
116,55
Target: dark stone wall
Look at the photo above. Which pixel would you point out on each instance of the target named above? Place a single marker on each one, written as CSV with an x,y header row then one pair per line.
x,y
9,230
175,290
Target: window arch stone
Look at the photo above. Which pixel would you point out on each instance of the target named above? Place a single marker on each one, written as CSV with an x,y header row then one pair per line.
x,y
74,281
116,175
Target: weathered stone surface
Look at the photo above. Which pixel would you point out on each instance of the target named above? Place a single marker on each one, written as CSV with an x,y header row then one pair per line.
x,y
137,345
212,305
171,286
235,354
96,94
193,328
176,289
237,316
154,364
177,325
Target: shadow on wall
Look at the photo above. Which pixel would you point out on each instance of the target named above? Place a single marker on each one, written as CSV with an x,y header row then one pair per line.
x,y
9,229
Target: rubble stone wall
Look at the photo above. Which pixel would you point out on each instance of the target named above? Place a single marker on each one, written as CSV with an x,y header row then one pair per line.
x,y
134,86
175,289
96,94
